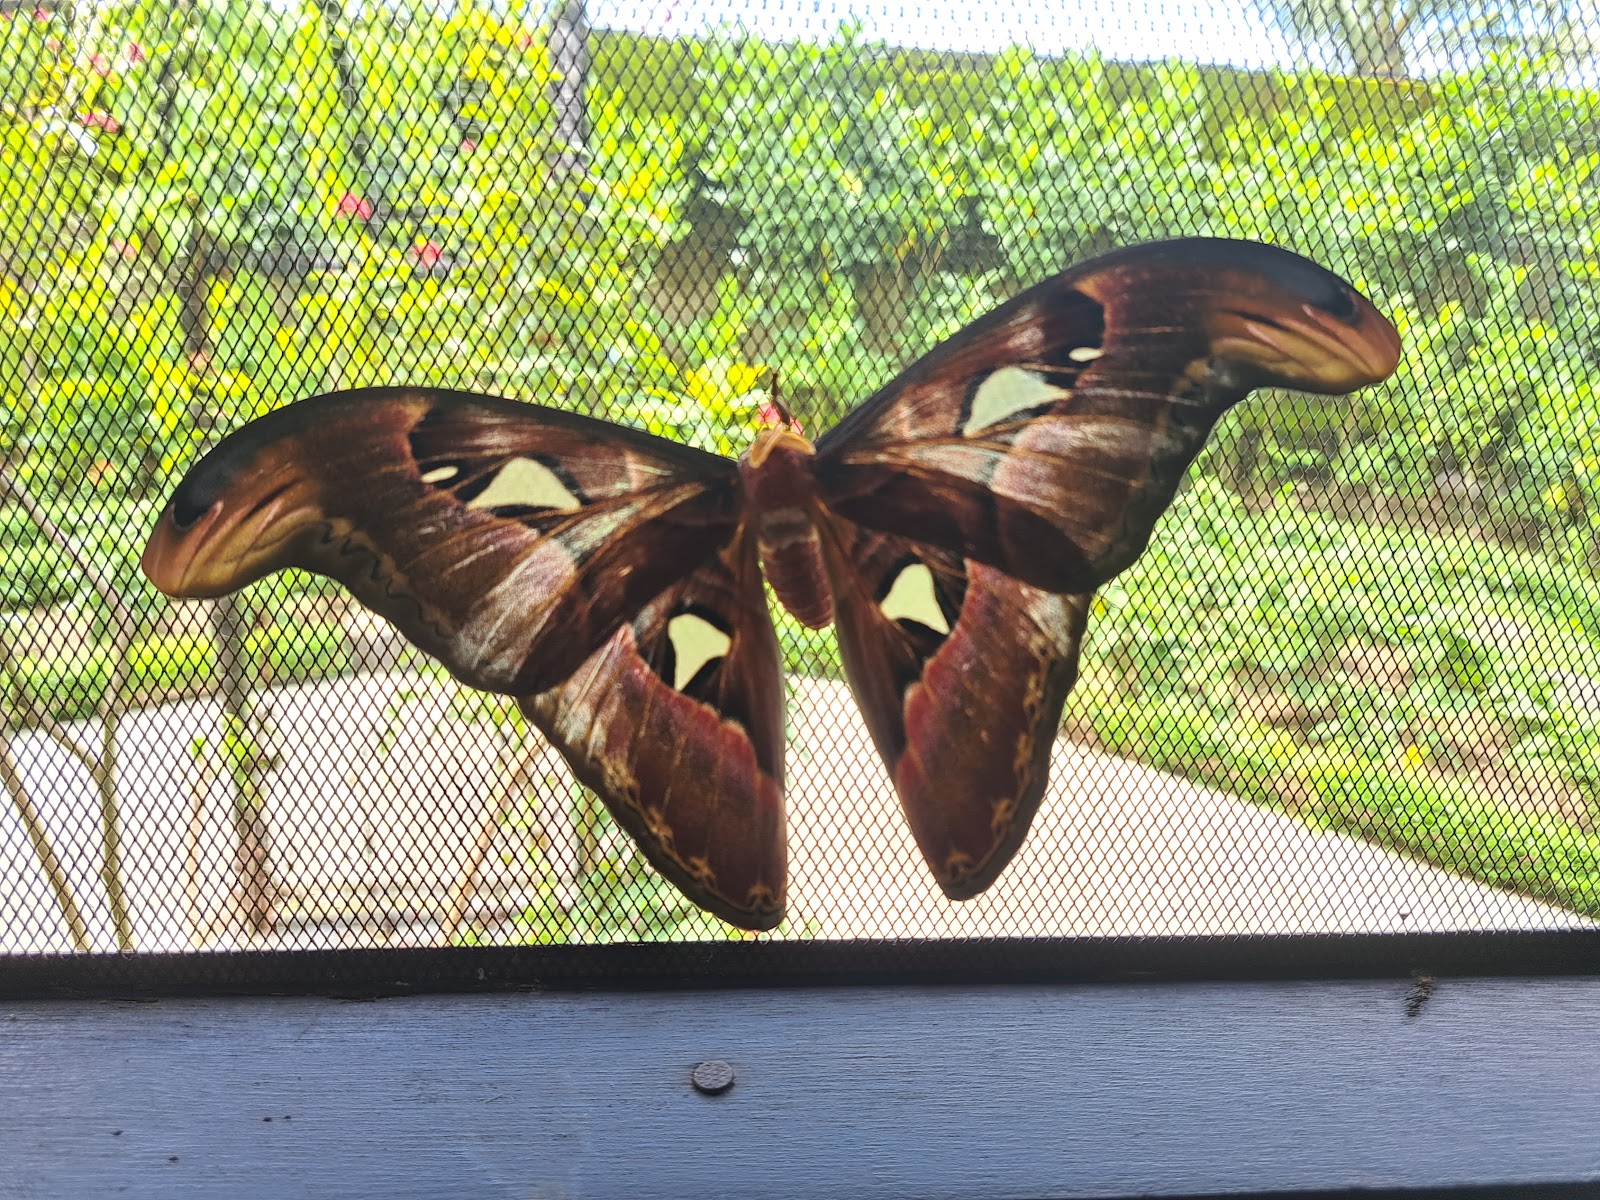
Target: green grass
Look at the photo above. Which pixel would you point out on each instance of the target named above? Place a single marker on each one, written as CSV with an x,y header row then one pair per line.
x,y
1417,690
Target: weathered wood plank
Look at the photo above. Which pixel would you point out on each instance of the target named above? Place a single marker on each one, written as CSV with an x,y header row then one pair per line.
x,y
849,1092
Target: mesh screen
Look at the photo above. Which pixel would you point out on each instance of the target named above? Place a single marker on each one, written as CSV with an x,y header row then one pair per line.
x,y
1354,684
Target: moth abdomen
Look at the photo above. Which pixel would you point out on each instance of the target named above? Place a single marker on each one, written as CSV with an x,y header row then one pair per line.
x,y
781,492
791,559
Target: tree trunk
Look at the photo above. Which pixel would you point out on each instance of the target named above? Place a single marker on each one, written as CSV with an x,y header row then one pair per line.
x,y
569,59
247,758
243,734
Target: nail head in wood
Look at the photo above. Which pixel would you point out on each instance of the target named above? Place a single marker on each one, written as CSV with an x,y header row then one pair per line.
x,y
712,1077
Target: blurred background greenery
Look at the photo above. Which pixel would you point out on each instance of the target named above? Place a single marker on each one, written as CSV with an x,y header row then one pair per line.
x,y
1379,613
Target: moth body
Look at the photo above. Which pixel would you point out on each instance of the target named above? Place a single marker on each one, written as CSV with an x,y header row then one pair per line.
x,y
780,492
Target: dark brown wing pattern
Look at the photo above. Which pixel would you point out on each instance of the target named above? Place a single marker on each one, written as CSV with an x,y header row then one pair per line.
x,y
961,673
678,723
965,513
991,488
1046,438
509,541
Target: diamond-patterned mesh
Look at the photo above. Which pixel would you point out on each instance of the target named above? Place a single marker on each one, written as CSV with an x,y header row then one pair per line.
x,y
1354,685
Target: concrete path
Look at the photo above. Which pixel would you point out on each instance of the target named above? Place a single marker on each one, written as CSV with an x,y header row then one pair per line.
x,y
382,788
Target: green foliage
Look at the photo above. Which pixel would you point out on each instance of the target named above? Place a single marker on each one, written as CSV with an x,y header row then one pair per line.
x,y
69,685
213,209
819,167
853,213
105,527
321,245
1070,162
813,652
617,896
1429,692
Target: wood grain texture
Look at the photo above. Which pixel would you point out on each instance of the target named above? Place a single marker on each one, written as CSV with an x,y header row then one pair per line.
x,y
865,1092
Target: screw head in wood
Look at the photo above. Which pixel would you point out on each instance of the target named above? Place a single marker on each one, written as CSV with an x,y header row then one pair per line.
x,y
712,1077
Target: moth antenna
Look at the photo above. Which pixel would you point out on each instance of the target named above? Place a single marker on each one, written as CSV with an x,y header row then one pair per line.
x,y
777,400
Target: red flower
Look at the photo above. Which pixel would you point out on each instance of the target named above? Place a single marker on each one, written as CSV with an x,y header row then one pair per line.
x,y
352,205
425,254
770,414
136,52
100,120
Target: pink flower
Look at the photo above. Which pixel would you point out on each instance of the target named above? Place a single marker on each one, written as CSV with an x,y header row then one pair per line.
x,y
425,254
100,120
99,65
124,249
352,205
468,145
770,414
136,52
41,14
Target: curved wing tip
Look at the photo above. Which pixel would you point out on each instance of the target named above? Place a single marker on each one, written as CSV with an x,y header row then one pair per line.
x,y
169,554
154,561
969,887
963,891
972,879
763,921
1309,279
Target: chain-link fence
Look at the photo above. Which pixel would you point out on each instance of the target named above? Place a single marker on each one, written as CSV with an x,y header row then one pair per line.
x,y
1353,685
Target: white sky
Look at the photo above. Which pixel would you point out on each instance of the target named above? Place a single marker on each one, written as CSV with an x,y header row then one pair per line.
x,y
1206,31
1196,30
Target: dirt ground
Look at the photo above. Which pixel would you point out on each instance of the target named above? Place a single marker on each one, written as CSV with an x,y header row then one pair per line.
x,y
380,792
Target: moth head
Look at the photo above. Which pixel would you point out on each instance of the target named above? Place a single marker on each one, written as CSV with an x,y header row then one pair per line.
x,y
1284,321
231,521
779,430
1271,318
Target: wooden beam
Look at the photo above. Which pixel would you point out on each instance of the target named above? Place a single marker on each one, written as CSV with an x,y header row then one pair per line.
x,y
1035,1091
